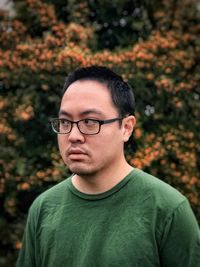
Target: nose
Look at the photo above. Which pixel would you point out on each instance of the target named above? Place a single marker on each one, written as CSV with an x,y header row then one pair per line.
x,y
75,135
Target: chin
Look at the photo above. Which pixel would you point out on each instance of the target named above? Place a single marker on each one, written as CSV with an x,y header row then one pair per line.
x,y
81,170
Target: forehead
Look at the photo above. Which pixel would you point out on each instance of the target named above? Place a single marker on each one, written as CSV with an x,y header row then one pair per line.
x,y
90,88
87,94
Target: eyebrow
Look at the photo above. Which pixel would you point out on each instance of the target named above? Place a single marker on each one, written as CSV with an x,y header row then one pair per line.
x,y
63,112
86,112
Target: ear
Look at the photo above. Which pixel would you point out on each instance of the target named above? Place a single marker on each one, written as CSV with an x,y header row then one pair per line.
x,y
128,127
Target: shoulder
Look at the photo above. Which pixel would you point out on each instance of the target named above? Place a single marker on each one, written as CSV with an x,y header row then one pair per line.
x,y
166,206
51,198
159,192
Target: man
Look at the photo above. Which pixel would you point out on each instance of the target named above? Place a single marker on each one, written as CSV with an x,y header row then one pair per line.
x,y
107,213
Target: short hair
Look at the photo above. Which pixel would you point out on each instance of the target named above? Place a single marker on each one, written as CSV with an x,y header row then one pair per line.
x,y
121,92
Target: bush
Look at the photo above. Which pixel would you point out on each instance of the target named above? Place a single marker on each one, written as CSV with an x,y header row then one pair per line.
x,y
156,51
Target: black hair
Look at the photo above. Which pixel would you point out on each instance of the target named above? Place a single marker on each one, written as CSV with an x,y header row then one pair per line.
x,y
121,92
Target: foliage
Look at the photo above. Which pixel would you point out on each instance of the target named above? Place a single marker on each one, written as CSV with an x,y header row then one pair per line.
x,y
154,46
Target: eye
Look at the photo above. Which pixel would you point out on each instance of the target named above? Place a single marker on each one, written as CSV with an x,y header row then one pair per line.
x,y
64,122
90,122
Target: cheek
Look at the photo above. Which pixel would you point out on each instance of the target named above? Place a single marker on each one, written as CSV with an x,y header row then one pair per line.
x,y
62,144
109,144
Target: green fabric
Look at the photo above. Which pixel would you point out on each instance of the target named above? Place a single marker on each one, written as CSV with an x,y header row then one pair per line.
x,y
140,222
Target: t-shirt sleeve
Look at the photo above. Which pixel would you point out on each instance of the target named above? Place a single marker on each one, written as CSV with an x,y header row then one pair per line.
x,y
180,245
29,254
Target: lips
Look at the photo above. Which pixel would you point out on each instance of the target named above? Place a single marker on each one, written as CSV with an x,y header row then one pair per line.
x,y
76,154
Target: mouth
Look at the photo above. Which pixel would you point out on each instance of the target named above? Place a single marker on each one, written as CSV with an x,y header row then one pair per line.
x,y
76,157
76,154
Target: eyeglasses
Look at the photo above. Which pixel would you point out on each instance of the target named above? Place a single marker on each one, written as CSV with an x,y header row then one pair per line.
x,y
85,126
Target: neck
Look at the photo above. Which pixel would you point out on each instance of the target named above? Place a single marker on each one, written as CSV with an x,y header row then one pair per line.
x,y
97,183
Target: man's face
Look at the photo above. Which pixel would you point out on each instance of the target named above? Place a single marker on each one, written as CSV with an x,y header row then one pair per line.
x,y
90,154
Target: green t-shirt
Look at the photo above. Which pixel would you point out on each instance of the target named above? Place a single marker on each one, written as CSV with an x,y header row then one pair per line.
x,y
141,222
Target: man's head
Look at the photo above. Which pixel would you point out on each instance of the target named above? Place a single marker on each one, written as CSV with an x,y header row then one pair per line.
x,y
121,92
94,95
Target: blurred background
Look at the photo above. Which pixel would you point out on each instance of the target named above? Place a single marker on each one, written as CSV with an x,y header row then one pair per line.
x,y
154,45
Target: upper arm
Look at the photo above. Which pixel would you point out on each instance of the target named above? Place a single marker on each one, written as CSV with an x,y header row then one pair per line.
x,y
180,245
29,253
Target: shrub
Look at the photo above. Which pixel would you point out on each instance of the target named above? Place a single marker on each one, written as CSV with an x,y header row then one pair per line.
x,y
156,51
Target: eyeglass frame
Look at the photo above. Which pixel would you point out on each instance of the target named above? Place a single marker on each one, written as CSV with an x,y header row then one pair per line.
x,y
100,122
